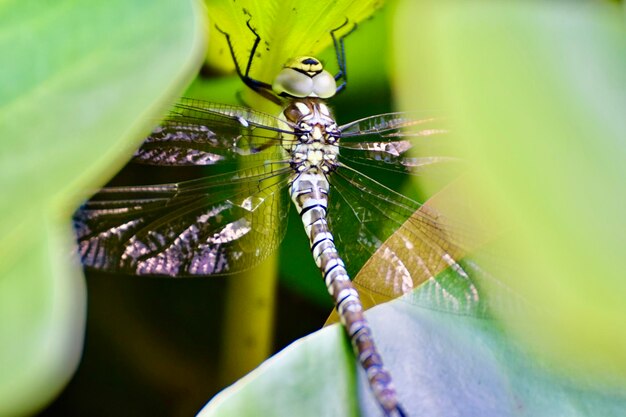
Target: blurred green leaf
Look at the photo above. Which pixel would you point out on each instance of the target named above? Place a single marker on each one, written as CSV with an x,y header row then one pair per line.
x,y
79,87
537,91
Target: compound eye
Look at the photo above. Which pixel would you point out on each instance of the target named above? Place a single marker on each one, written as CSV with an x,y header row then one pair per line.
x,y
293,83
324,85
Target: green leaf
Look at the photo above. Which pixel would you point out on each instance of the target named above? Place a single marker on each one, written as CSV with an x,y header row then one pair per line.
x,y
79,86
442,364
287,29
537,91
296,382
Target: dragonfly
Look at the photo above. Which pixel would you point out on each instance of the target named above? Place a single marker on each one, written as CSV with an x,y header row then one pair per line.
x,y
231,221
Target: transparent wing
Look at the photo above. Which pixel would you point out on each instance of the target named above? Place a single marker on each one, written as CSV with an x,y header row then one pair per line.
x,y
197,132
397,142
412,243
213,225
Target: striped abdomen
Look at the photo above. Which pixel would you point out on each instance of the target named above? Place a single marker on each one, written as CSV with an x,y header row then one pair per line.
x,y
309,192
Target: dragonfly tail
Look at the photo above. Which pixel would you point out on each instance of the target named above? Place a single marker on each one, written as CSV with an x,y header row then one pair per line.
x,y
310,195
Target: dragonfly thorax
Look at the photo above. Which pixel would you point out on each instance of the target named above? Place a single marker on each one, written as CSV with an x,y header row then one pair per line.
x,y
314,145
304,77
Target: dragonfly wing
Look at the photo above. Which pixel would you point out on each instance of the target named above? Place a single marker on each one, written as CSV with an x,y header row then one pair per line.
x,y
398,142
214,225
413,244
197,132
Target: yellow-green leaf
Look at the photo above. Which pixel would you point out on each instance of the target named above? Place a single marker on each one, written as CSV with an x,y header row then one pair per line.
x,y
537,91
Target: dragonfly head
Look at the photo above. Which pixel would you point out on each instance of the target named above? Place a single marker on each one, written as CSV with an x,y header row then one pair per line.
x,y
302,77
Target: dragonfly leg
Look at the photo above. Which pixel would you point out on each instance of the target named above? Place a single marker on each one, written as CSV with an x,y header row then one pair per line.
x,y
340,53
260,87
